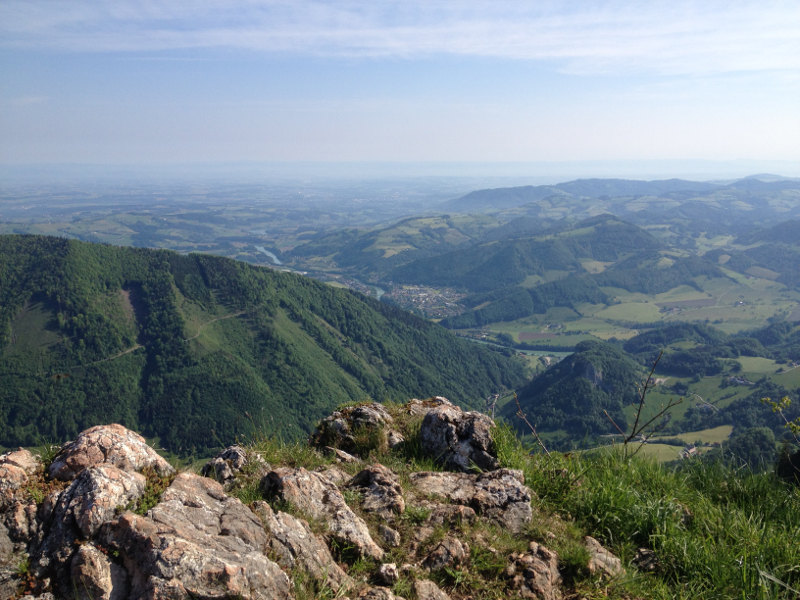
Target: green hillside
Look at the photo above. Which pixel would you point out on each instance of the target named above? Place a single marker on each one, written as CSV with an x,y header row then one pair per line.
x,y
197,350
570,397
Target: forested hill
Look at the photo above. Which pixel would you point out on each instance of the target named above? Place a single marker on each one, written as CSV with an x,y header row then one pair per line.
x,y
197,350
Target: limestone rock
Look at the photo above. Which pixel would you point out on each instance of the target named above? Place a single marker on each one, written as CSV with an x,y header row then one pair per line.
x,y
197,542
381,489
459,440
450,552
16,467
394,438
6,545
354,429
19,524
340,455
226,465
378,593
95,577
18,515
422,407
534,574
90,500
335,475
451,514
295,546
111,444
427,590
601,560
390,536
388,573
315,495
9,581
498,495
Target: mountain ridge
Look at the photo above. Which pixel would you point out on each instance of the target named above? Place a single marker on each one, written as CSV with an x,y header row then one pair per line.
x,y
196,350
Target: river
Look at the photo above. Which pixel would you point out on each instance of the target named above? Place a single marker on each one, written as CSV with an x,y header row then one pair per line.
x,y
275,260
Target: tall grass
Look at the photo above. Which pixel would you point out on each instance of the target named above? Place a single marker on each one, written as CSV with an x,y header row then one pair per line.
x,y
716,532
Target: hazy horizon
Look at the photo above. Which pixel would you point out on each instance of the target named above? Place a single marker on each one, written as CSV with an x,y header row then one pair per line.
x,y
512,173
412,82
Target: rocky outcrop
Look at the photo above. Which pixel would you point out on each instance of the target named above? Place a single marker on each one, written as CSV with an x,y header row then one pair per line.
x,y
459,440
112,444
295,546
16,468
356,429
90,500
122,526
381,491
601,560
534,574
498,495
196,542
232,461
18,513
317,497
450,552
427,590
94,575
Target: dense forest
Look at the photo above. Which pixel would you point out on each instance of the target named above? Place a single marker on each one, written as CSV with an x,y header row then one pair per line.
x,y
196,350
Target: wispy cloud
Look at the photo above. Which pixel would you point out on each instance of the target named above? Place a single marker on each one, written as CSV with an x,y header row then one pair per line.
x,y
679,37
28,100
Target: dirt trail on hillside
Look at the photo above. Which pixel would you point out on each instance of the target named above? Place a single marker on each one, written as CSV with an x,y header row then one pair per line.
x,y
207,323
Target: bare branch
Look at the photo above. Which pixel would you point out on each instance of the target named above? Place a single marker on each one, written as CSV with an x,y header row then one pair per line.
x,y
613,422
522,416
642,396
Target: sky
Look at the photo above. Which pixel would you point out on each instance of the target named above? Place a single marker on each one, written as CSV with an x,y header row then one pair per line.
x,y
410,81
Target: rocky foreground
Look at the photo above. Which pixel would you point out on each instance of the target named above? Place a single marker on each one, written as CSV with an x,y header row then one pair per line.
x,y
109,518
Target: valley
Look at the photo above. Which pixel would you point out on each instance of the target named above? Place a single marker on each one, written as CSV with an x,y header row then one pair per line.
x,y
588,267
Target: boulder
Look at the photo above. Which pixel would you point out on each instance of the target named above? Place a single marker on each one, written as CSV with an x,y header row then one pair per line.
x,y
295,546
19,524
388,574
534,574
109,444
451,515
422,407
450,552
460,441
196,543
427,590
497,495
381,490
16,468
334,475
90,500
20,527
378,593
601,560
315,495
9,581
355,429
96,577
391,537
226,465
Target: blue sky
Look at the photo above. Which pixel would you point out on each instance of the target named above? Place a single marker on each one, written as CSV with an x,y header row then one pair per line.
x,y
179,82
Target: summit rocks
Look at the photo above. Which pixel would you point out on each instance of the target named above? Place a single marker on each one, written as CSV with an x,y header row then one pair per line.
x,y
113,444
459,440
315,495
109,519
